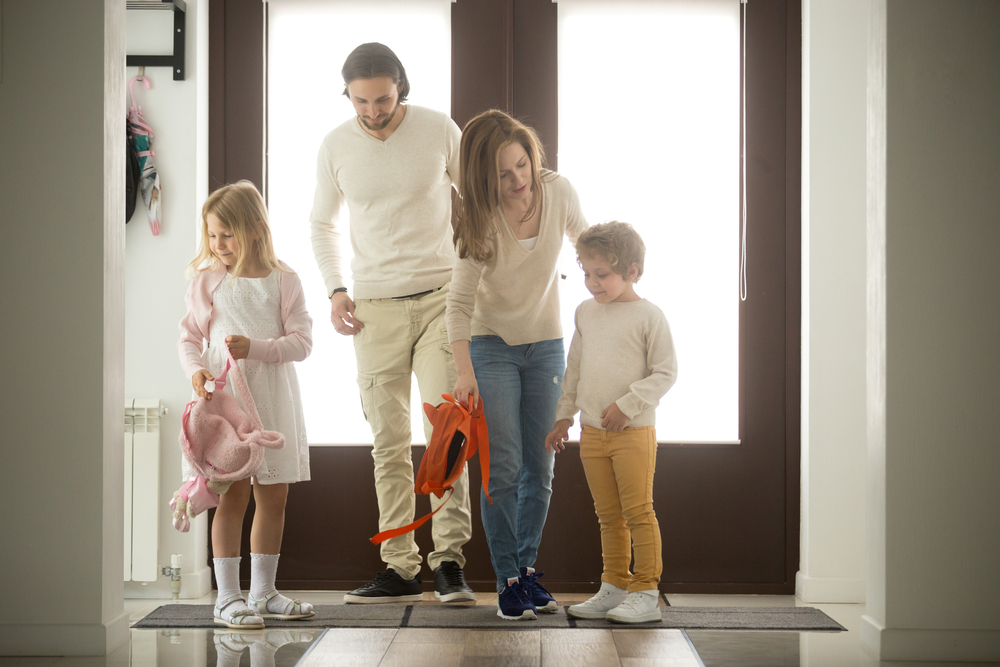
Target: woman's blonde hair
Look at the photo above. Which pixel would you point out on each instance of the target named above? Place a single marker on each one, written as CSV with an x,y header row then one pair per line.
x,y
479,191
617,242
240,209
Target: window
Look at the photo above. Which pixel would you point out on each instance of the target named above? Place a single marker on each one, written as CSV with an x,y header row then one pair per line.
x,y
307,45
649,134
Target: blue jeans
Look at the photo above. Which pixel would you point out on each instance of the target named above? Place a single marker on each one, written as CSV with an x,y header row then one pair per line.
x,y
520,386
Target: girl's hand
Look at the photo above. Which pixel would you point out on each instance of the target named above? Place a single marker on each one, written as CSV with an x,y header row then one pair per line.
x,y
466,389
613,419
554,441
239,346
342,315
198,381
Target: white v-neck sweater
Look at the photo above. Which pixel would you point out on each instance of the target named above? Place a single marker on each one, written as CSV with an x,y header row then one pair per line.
x,y
515,294
398,194
621,353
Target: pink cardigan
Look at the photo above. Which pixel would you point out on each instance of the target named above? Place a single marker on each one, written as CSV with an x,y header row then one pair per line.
x,y
295,345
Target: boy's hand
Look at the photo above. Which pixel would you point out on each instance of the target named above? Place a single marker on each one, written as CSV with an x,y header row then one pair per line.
x,y
554,441
198,381
239,346
613,419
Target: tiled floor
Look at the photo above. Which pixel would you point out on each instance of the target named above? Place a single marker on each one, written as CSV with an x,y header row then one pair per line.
x,y
413,647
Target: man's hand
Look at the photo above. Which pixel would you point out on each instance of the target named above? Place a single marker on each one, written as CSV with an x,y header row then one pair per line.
x,y
198,381
342,315
239,346
554,441
613,419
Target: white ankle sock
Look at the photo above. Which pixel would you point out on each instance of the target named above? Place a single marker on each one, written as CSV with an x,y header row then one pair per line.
x,y
227,577
263,569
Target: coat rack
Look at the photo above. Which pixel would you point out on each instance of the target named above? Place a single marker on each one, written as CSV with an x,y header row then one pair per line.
x,y
176,61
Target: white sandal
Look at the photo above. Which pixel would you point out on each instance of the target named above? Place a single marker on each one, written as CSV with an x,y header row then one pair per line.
x,y
293,611
234,613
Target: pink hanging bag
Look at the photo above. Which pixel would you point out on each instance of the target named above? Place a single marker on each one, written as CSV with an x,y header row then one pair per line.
x,y
222,442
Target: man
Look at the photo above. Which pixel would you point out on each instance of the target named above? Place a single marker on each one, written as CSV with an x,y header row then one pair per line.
x,y
395,165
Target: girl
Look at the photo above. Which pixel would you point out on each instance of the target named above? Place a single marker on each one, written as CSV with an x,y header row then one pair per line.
x,y
504,328
245,302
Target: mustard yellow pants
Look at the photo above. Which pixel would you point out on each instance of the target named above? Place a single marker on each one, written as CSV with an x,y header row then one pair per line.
x,y
619,467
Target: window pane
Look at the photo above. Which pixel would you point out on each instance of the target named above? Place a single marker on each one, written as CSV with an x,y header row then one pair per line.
x,y
307,45
649,134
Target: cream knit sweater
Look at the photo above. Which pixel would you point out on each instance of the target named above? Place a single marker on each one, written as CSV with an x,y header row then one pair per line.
x,y
515,294
398,194
623,353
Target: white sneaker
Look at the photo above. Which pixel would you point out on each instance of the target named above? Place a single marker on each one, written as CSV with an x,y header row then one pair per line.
x,y
609,597
638,607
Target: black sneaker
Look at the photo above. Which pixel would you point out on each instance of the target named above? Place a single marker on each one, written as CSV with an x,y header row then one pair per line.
x,y
539,597
449,583
387,586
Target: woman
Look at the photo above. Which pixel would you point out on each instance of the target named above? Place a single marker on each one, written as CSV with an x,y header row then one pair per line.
x,y
504,328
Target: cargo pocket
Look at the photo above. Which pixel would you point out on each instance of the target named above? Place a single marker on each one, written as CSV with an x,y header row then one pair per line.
x,y
377,400
366,385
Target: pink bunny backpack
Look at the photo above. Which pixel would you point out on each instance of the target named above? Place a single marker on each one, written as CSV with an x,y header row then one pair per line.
x,y
221,441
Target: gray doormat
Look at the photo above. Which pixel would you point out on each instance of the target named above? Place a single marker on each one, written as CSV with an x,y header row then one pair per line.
x,y
485,616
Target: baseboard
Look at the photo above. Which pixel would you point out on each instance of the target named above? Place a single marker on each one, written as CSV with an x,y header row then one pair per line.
x,y
929,645
196,584
830,590
63,639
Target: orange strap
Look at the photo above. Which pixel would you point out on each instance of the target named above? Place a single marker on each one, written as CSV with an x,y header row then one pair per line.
x,y
396,532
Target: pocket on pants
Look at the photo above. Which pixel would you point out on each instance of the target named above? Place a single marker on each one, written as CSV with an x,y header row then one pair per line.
x,y
366,383
375,396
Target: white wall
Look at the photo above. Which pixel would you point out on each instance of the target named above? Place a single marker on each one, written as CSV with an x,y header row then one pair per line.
x,y
62,210
154,265
935,318
832,539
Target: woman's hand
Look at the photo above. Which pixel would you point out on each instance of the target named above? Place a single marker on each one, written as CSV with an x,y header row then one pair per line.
x,y
198,381
613,419
466,389
239,346
555,440
342,315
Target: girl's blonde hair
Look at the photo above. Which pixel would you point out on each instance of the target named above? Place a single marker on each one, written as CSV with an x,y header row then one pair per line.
x,y
240,209
617,242
479,202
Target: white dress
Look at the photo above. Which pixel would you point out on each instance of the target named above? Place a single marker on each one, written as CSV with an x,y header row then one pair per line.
x,y
251,307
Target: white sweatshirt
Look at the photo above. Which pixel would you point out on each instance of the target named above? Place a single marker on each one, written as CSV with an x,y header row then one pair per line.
x,y
623,353
398,194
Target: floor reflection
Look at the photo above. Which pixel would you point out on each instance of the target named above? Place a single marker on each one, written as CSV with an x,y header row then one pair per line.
x,y
220,647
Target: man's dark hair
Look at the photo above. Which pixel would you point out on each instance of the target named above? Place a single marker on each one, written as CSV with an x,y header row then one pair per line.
x,y
372,60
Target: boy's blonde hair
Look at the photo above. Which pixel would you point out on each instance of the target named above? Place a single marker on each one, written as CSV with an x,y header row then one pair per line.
x,y
617,242
240,209
479,157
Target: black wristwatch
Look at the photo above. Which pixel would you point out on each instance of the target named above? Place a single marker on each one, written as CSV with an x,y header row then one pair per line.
x,y
339,289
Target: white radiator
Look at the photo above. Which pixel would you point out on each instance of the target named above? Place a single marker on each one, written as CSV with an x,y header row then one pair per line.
x,y
142,487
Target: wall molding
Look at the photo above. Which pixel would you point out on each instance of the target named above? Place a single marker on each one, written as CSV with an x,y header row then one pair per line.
x,y
64,639
832,590
929,644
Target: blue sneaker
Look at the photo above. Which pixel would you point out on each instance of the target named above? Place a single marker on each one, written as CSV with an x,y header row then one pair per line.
x,y
514,604
539,597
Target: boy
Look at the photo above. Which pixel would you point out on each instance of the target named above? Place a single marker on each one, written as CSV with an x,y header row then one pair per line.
x,y
621,363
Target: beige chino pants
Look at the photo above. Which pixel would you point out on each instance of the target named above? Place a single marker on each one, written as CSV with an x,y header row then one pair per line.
x,y
401,338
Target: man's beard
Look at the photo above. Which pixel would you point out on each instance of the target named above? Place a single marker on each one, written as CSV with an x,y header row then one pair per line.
x,y
382,123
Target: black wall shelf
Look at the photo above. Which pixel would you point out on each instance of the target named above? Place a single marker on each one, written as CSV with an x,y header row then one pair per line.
x,y
176,61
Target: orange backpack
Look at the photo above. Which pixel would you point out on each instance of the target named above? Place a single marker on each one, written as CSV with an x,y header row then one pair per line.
x,y
458,434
